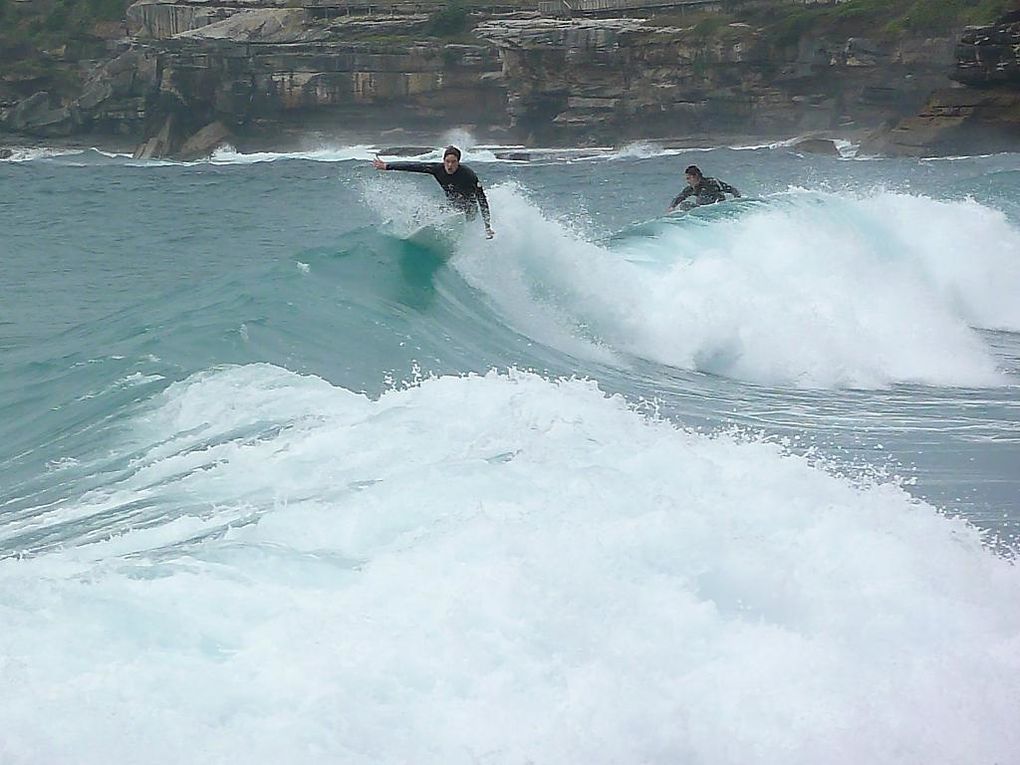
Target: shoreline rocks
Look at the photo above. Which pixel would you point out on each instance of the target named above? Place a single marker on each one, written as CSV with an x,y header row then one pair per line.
x,y
823,146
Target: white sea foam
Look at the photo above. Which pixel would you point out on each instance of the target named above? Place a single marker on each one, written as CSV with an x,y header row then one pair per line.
x,y
501,569
228,155
113,154
479,153
814,290
957,158
645,150
471,153
845,148
31,153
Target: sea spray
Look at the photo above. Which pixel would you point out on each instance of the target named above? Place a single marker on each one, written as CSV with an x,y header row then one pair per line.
x,y
808,289
555,576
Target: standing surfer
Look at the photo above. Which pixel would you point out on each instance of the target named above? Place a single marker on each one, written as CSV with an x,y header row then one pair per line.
x,y
462,187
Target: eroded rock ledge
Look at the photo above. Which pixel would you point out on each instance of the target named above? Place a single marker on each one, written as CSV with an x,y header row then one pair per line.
x,y
981,114
194,73
612,78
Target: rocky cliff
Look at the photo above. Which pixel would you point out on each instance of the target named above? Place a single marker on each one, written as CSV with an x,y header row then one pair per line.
x,y
601,78
185,75
261,71
259,68
981,113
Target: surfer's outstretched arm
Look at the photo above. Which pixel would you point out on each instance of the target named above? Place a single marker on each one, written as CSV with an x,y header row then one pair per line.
x,y
408,167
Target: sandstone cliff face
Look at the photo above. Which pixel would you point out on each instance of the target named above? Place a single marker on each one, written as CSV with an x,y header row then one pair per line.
x,y
980,114
160,20
598,78
271,68
990,56
259,66
264,67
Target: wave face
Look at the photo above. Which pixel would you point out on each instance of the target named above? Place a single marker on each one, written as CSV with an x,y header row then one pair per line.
x,y
283,469
553,575
805,289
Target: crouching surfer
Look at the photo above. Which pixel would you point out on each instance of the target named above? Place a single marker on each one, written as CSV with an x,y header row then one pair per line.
x,y
463,189
706,191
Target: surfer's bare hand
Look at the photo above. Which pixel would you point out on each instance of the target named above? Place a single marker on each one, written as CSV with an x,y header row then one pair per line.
x,y
378,164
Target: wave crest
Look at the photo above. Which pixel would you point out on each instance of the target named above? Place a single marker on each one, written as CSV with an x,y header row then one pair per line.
x,y
806,289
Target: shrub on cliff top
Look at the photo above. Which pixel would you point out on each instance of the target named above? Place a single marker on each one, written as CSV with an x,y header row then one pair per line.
x,y
449,22
887,17
938,15
710,25
53,22
108,10
42,42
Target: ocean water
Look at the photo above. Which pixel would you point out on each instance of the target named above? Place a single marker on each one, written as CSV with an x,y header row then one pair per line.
x,y
281,482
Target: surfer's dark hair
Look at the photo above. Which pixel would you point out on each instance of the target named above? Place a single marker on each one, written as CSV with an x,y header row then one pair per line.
x,y
694,170
451,150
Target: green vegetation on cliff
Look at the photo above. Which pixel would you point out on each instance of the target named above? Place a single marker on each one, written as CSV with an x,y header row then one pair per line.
x,y
47,45
43,41
451,21
45,22
888,18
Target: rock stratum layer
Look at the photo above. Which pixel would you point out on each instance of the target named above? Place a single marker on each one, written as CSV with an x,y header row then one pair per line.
x,y
980,114
625,77
189,74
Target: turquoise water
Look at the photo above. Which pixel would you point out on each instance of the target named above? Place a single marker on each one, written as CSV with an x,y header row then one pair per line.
x,y
733,486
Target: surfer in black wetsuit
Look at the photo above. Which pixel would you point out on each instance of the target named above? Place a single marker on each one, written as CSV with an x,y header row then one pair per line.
x,y
706,191
463,189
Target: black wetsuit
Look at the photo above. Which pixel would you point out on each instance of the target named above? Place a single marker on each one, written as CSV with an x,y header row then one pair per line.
x,y
708,192
463,189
